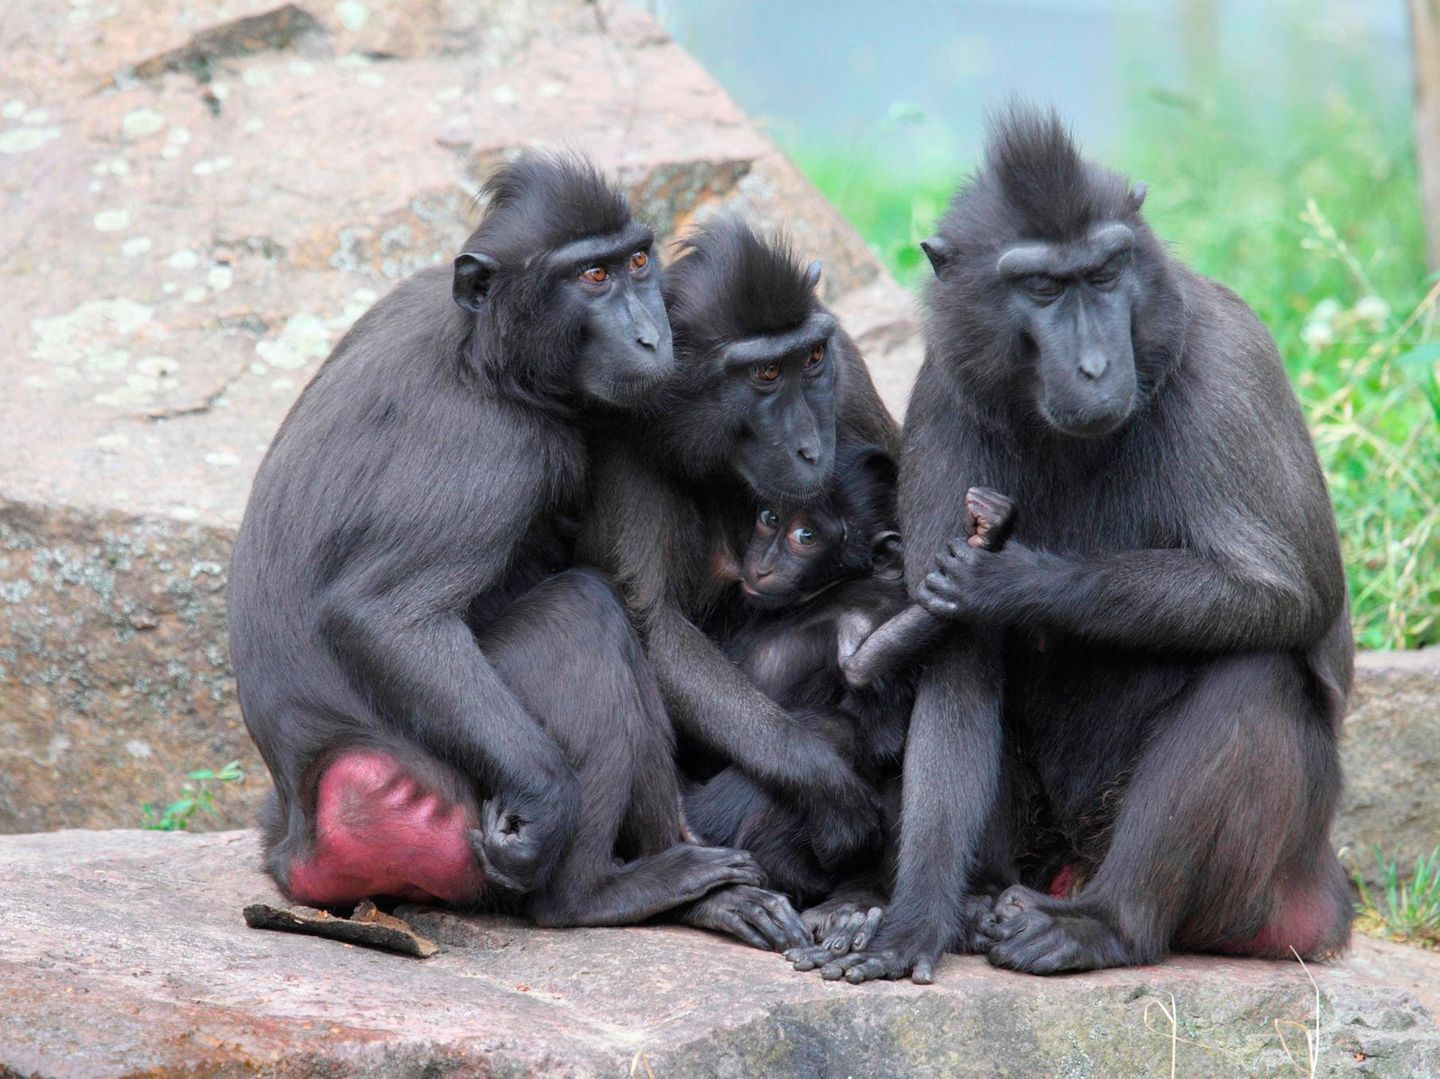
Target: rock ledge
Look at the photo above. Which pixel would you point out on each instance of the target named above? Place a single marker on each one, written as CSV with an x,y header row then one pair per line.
x,y
125,953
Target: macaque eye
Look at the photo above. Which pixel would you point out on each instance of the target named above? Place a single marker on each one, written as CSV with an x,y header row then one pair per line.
x,y
1042,286
766,372
596,275
1110,272
817,354
803,536
639,260
770,519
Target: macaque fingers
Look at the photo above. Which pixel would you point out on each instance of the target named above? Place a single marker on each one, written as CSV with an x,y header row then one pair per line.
x,y
989,518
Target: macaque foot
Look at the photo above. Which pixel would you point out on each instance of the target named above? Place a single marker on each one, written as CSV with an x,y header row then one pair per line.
x,y
1035,934
887,963
990,518
510,848
761,918
847,927
844,925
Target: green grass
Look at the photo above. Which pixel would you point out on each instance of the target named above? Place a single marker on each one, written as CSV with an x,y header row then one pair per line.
x,y
1405,910
1315,222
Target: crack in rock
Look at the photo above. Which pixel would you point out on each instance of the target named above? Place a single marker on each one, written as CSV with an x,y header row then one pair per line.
x,y
270,31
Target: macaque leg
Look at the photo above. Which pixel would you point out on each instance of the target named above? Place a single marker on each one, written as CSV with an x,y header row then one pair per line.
x,y
568,651
1221,842
893,643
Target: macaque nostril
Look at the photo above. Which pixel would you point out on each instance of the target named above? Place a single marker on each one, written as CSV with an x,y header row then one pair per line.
x,y
809,454
1092,365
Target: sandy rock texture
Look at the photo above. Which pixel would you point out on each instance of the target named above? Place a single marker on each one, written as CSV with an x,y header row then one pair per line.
x,y
125,953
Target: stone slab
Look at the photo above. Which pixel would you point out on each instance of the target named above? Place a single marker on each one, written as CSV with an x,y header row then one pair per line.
x,y
125,953
1392,761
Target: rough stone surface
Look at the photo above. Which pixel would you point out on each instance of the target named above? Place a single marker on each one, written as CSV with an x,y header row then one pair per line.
x,y
199,199
114,678
1392,761
125,953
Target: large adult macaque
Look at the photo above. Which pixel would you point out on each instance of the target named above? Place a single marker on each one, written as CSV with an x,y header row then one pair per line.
x,y
768,385
1163,641
448,711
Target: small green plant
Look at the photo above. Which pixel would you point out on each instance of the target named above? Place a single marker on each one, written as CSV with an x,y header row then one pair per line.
x,y
199,794
1407,910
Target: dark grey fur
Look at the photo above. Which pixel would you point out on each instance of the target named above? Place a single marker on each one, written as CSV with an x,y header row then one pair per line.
x,y
401,579
1163,644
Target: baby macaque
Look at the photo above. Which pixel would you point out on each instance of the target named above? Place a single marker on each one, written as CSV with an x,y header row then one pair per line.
x,y
804,574
831,636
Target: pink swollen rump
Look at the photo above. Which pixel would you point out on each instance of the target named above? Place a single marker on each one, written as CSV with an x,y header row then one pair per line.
x,y
380,831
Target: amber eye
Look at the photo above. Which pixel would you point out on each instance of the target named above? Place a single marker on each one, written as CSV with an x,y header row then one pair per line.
x,y
803,536
596,275
770,519
816,355
768,372
639,260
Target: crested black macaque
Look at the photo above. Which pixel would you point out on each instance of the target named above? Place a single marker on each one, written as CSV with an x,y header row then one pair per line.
x,y
809,577
1163,643
818,581
768,386
449,711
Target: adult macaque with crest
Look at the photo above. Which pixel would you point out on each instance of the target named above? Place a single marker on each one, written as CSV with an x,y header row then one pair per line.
x,y
768,386
449,709
1161,649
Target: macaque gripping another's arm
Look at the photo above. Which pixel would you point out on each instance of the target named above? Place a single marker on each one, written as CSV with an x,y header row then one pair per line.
x,y
989,520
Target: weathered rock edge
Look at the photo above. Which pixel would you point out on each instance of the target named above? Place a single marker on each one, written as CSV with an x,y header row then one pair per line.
x,y
125,953
1391,753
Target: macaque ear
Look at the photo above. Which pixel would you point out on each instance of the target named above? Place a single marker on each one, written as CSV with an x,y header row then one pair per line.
x,y
887,555
473,273
812,274
724,568
1137,195
937,251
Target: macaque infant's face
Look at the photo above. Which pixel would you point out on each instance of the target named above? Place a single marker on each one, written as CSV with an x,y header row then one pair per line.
x,y
791,555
